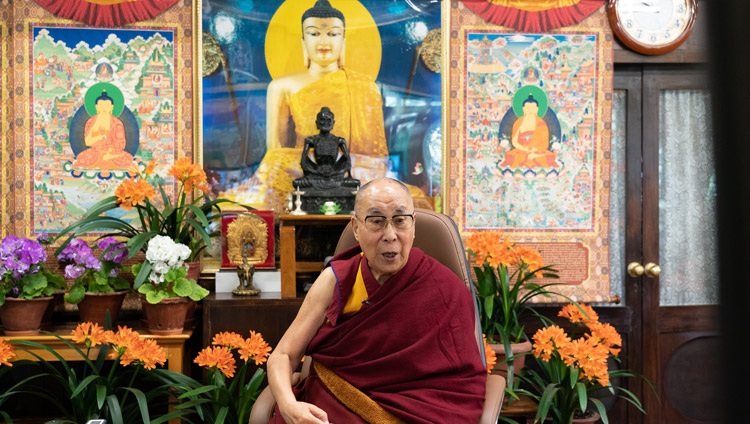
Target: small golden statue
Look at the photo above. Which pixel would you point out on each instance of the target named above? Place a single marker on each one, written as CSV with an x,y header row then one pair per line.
x,y
246,270
247,238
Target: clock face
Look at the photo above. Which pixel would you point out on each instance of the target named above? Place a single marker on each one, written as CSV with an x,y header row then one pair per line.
x,y
652,26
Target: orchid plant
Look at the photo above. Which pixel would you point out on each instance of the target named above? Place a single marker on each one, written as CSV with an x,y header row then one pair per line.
x,y
166,271
93,274
22,271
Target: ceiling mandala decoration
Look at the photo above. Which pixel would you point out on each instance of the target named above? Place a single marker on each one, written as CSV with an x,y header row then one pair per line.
x,y
533,15
106,13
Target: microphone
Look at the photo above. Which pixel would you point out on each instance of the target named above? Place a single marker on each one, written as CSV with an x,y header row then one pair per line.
x,y
366,302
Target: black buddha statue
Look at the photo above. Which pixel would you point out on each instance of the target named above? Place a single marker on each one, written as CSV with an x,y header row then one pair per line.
x,y
326,168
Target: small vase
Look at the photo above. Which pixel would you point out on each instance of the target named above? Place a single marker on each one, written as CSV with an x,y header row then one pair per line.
x,y
23,317
94,306
166,317
519,351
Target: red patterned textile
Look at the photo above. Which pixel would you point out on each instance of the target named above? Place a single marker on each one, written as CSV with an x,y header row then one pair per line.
x,y
537,16
106,13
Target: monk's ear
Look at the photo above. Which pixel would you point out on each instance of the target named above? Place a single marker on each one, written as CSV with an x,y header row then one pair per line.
x,y
355,228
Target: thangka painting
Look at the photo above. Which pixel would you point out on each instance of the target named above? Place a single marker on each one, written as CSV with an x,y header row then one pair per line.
x,y
530,141
101,102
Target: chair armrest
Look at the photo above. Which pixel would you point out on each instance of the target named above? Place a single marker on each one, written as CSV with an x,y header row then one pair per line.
x,y
493,399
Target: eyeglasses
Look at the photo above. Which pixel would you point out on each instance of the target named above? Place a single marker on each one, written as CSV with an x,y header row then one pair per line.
x,y
378,223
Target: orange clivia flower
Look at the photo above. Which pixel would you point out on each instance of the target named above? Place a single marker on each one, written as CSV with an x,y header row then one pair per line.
x,y
132,192
190,175
489,354
548,340
6,353
217,357
145,352
579,313
88,333
255,347
606,335
228,339
121,340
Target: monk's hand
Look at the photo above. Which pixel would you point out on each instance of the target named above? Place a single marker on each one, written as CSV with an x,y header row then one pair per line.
x,y
304,413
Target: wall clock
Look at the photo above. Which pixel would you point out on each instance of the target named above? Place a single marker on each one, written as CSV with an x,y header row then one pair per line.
x,y
652,26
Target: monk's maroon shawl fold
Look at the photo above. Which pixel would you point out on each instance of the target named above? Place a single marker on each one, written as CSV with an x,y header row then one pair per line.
x,y
412,346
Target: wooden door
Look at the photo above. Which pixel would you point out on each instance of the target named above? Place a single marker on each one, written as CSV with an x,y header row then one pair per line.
x,y
672,288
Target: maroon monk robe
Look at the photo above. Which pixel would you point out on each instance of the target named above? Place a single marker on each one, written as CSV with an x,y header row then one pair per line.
x,y
411,347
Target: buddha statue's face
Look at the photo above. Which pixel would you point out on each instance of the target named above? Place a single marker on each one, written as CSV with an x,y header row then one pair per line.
x,y
323,40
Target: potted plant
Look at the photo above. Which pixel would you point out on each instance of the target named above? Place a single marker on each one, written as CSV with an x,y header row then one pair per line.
x,y
573,373
505,285
189,222
229,392
97,283
167,290
26,287
117,391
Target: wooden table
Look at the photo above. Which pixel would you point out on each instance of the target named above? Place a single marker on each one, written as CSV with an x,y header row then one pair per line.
x,y
288,262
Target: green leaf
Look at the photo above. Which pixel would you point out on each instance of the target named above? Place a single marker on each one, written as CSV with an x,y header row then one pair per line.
x,y
198,292
75,294
183,287
142,273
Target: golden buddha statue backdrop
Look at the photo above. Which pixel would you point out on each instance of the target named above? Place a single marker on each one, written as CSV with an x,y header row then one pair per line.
x,y
321,53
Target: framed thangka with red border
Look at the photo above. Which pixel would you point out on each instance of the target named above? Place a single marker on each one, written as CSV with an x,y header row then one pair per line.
x,y
529,141
99,101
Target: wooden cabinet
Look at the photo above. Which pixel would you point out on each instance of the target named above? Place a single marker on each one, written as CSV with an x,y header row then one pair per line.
x,y
266,313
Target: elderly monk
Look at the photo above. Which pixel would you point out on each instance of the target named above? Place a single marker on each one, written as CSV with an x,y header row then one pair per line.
x,y
390,330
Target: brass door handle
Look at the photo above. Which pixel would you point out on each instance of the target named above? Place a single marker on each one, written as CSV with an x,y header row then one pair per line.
x,y
652,270
635,269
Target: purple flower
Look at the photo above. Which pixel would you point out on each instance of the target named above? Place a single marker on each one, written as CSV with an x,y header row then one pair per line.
x,y
114,251
21,256
74,271
44,238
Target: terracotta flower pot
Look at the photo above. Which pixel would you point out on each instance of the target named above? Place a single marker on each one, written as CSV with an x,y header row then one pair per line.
x,y
22,317
501,367
94,306
591,418
166,317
